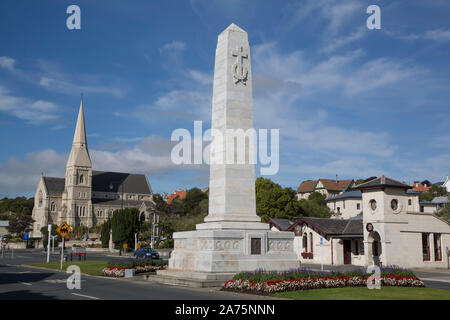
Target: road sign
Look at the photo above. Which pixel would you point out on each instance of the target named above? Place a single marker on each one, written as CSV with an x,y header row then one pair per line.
x,y
125,245
26,236
64,229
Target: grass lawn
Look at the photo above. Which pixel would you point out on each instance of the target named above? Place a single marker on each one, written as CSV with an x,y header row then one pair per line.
x,y
93,268
363,293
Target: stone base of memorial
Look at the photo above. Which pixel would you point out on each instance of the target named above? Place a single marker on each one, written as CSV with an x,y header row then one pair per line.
x,y
215,255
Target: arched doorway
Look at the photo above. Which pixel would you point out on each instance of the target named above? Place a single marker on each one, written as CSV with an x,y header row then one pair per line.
x,y
374,241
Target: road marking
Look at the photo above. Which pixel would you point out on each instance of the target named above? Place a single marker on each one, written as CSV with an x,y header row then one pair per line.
x,y
84,296
434,279
25,283
58,280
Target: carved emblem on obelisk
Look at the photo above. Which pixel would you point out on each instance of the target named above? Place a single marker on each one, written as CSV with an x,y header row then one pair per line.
x,y
240,72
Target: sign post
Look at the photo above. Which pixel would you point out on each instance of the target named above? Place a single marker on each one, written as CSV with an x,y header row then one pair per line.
x,y
63,230
48,244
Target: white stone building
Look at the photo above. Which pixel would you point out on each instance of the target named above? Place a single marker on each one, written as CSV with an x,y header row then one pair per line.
x,y
328,187
345,205
85,196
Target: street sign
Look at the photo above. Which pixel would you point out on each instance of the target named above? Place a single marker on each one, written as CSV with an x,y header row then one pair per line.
x,y
26,236
125,245
64,229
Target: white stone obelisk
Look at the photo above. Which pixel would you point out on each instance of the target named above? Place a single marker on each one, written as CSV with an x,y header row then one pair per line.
x,y
232,177
232,237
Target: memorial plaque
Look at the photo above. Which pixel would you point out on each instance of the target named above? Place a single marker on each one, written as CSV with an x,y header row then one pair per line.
x,y
255,245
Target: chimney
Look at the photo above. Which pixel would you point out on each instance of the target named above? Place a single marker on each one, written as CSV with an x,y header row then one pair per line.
x,y
336,179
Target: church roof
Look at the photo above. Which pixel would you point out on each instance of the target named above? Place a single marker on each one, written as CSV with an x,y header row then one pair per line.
x,y
54,185
101,180
130,182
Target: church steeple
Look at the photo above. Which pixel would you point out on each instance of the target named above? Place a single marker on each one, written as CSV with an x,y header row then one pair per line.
x,y
79,155
79,138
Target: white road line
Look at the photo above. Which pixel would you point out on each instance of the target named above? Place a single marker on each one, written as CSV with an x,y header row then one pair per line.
x,y
84,296
25,283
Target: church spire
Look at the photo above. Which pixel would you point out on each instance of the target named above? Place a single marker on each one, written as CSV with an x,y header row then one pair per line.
x,y
79,138
79,155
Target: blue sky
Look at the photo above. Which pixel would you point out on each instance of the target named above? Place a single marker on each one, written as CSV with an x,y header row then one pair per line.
x,y
347,100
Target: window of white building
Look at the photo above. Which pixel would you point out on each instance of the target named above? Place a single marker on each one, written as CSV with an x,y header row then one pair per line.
x,y
437,247
426,246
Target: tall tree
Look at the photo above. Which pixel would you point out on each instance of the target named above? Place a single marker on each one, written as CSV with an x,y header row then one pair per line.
x,y
20,223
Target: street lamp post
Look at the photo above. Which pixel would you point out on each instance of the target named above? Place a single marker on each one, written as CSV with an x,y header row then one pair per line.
x,y
111,186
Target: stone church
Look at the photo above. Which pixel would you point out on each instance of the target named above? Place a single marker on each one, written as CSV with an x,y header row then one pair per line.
x,y
85,196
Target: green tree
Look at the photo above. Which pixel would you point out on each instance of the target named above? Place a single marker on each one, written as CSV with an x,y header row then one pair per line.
x,y
124,224
434,191
193,198
105,233
44,232
20,223
273,201
318,197
17,205
445,212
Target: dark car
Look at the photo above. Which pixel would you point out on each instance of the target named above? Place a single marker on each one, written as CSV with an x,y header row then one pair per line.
x,y
143,253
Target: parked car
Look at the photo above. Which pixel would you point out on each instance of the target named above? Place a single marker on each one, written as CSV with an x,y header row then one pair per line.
x,y
143,253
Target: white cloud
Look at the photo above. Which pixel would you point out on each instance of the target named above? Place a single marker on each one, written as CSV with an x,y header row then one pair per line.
x,y
7,63
438,35
20,177
173,46
32,111
151,155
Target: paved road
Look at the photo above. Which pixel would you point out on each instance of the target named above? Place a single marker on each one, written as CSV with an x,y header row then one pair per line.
x,y
22,282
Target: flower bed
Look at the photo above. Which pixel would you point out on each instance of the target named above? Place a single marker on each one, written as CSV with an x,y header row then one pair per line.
x,y
261,282
117,269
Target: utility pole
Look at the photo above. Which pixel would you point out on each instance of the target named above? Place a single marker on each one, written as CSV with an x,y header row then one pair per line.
x,y
48,244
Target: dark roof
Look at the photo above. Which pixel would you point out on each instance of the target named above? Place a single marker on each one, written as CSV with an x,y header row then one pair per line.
x,y
132,183
281,224
426,202
356,194
101,180
54,185
334,227
383,182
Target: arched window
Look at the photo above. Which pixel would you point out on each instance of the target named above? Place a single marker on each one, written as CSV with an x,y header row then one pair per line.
x,y
40,199
305,242
81,179
311,241
52,207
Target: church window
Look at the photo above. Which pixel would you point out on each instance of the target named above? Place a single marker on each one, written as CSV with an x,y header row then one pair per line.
x,y
40,201
53,207
426,246
311,241
81,179
437,247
